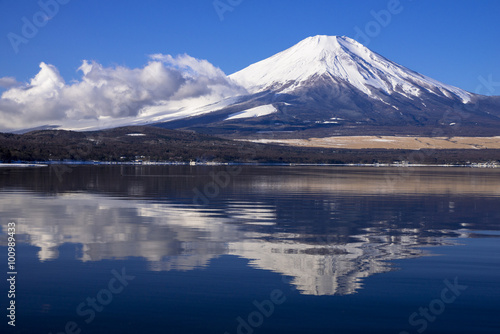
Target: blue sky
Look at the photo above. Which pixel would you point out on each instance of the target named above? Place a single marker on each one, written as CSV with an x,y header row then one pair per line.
x,y
453,41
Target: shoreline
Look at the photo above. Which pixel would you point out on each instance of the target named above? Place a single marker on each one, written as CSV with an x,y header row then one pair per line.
x,y
160,163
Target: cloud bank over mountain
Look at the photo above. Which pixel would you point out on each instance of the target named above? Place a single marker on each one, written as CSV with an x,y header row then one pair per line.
x,y
110,92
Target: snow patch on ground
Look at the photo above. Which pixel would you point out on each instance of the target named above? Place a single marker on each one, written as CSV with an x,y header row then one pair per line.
x,y
253,112
383,140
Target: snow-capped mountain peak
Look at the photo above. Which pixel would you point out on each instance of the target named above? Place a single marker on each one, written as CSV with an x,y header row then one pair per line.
x,y
343,60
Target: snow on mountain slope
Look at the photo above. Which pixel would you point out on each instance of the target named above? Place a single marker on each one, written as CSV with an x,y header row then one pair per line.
x,y
254,112
343,59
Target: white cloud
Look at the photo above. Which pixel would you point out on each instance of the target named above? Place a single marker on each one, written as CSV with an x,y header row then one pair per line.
x,y
110,92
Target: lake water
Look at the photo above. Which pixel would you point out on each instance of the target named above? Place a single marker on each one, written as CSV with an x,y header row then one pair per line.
x,y
267,249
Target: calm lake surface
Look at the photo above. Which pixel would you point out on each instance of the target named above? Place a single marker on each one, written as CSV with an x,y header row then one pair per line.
x,y
267,249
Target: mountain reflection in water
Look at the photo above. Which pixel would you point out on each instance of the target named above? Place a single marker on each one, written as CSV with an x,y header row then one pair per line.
x,y
325,228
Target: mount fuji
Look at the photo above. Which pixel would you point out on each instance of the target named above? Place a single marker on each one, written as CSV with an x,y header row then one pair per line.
x,y
341,60
333,85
